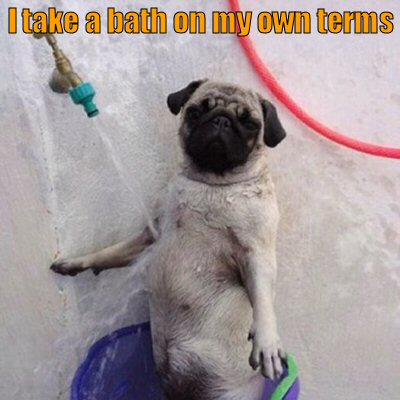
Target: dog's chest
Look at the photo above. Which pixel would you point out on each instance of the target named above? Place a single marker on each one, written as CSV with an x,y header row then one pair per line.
x,y
197,206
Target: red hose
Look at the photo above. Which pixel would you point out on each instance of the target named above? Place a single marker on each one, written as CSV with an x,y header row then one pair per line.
x,y
280,93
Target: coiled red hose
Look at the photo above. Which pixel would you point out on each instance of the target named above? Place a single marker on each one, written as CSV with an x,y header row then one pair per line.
x,y
280,93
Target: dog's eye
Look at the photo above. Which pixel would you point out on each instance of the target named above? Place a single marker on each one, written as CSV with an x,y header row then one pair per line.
x,y
249,124
205,105
193,112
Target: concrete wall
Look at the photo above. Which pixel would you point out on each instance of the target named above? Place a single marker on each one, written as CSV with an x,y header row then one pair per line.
x,y
62,190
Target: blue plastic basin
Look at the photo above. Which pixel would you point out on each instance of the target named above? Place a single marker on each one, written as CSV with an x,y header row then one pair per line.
x,y
120,366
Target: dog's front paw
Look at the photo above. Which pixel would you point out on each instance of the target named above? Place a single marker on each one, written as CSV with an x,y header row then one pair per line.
x,y
267,353
67,267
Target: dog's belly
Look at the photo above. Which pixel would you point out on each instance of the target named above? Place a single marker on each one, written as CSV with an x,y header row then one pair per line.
x,y
200,314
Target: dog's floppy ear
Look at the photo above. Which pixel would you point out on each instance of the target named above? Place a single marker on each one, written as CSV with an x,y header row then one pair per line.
x,y
274,132
178,99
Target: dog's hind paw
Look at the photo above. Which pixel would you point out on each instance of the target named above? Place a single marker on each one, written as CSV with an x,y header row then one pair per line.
x,y
268,355
65,267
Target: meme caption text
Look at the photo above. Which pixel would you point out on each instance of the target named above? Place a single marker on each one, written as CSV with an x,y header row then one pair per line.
x,y
155,21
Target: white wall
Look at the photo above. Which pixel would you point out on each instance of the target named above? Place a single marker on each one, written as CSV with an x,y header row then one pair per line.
x,y
62,191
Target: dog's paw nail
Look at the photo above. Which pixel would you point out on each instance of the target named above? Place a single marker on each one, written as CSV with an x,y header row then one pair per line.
x,y
253,363
96,271
282,354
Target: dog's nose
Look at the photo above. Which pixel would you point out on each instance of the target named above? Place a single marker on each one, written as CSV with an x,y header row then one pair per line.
x,y
221,122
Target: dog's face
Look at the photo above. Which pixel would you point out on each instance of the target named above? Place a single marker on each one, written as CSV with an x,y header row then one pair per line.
x,y
222,124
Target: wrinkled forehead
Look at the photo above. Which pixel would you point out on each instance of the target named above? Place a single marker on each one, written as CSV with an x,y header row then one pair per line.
x,y
228,93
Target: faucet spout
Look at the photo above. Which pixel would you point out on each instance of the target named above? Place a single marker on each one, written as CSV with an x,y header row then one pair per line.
x,y
65,80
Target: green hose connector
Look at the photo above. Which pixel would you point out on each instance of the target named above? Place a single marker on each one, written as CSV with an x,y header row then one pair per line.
x,y
83,94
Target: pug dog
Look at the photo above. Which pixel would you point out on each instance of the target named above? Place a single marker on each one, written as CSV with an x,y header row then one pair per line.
x,y
212,262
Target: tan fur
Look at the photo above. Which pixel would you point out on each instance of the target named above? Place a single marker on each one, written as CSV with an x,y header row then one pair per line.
x,y
212,273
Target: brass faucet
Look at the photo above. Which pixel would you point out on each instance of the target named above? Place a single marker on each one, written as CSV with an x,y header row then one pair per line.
x,y
65,80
